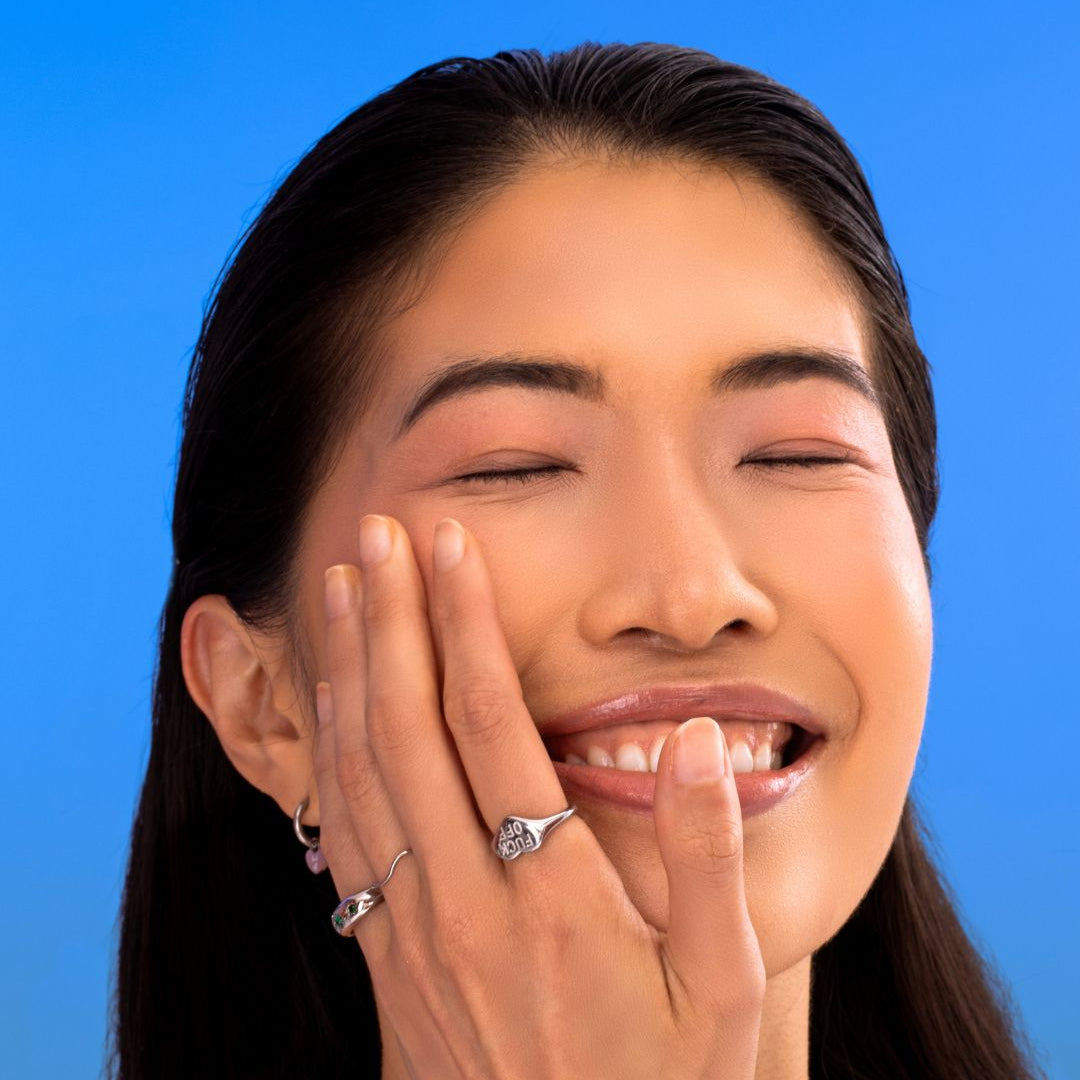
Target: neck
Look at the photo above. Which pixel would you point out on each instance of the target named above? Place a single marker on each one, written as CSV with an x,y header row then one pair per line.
x,y
784,1042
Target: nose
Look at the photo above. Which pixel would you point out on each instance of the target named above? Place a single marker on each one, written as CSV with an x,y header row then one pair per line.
x,y
673,574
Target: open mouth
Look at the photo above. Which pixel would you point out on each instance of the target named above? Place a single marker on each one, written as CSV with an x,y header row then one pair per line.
x,y
754,746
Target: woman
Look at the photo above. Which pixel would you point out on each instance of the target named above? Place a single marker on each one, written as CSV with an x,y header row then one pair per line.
x,y
557,440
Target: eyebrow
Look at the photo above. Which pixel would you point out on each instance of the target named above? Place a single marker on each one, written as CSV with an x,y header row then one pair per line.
x,y
557,375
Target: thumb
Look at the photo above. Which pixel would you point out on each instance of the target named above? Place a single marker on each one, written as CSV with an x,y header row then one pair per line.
x,y
711,948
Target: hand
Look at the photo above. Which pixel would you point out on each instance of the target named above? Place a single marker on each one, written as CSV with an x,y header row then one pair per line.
x,y
541,967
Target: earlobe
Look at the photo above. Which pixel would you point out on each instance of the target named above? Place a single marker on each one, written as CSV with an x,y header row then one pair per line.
x,y
232,674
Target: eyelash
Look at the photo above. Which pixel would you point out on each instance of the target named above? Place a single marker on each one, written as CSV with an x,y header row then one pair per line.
x,y
808,462
521,476
524,476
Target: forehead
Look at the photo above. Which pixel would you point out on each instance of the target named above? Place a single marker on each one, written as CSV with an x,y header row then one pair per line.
x,y
630,267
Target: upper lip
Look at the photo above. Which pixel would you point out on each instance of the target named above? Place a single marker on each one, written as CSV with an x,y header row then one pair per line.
x,y
730,701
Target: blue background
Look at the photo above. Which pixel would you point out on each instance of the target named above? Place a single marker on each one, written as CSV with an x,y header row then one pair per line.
x,y
139,139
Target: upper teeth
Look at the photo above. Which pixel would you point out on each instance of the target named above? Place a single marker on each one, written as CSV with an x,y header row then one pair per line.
x,y
631,757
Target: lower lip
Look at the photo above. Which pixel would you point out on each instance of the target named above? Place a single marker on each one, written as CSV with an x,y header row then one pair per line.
x,y
758,791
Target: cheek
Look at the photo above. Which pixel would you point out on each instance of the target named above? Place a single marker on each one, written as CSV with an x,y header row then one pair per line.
x,y
871,606
856,585
538,578
332,537
851,575
875,617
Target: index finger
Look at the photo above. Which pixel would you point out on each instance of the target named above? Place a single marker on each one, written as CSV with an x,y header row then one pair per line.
x,y
508,767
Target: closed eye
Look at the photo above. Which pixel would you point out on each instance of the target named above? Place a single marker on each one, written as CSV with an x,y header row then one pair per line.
x,y
527,475
803,462
510,476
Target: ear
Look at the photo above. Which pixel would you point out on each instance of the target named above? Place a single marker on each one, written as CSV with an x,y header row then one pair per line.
x,y
242,681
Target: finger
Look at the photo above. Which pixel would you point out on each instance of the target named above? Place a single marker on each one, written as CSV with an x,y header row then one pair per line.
x,y
348,864
360,790
504,757
336,838
710,948
412,747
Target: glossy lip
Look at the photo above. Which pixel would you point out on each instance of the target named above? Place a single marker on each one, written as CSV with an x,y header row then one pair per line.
x,y
758,791
731,701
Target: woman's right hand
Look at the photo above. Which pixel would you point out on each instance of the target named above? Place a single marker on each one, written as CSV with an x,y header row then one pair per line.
x,y
540,967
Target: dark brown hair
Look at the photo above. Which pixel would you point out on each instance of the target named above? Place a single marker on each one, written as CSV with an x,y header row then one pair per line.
x,y
227,964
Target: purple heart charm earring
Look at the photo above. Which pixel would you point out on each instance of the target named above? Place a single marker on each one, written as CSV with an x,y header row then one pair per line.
x,y
315,859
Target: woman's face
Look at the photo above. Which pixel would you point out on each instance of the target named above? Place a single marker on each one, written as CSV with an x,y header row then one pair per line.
x,y
652,548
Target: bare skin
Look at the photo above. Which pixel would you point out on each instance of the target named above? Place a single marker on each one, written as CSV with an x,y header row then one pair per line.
x,y
652,547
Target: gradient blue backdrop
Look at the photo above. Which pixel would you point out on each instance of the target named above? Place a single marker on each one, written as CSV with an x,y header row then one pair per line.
x,y
139,139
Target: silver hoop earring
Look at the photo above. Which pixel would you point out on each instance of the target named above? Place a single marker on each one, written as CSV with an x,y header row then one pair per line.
x,y
315,859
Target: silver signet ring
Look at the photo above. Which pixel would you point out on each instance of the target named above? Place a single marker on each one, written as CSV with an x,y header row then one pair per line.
x,y
519,835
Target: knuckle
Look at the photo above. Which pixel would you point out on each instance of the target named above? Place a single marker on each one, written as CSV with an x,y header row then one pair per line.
x,y
558,931
447,606
393,722
750,989
386,605
715,848
746,996
740,999
356,775
756,987
548,916
457,933
478,706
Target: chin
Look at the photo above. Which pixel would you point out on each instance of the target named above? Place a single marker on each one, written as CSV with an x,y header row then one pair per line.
x,y
795,905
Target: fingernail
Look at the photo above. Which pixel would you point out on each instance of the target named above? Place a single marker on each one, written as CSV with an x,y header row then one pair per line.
x,y
699,751
324,704
449,544
339,592
375,540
